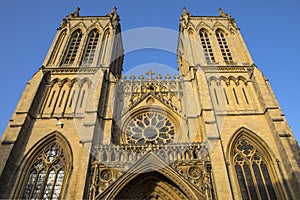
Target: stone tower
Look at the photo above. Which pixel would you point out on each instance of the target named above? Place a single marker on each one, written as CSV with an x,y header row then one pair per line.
x,y
82,130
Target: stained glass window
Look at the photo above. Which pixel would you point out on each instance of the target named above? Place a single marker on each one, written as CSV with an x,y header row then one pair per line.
x,y
150,128
252,173
46,174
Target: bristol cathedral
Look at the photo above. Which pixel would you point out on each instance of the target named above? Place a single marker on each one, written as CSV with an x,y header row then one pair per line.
x,y
84,130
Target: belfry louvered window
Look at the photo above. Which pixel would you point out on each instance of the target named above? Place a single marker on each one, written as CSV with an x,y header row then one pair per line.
x,y
224,46
73,47
208,53
47,174
252,173
89,52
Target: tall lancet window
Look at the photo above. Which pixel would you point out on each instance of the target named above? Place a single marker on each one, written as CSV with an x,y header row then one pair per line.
x,y
47,174
208,53
224,46
73,47
90,48
253,172
57,47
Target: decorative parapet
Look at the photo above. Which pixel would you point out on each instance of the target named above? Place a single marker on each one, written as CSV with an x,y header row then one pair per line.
x,y
190,160
168,90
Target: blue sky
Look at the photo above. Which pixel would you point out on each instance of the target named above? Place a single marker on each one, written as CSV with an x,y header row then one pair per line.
x,y
270,30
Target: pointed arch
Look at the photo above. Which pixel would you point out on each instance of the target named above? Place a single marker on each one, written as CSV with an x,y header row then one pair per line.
x,y
73,46
51,97
90,47
151,185
156,170
232,78
62,97
80,25
191,30
221,27
46,168
95,25
206,45
54,81
103,45
242,78
205,26
65,80
220,34
82,96
58,46
86,80
253,166
223,78
158,110
192,43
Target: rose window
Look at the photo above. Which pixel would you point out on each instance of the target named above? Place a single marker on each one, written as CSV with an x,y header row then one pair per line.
x,y
149,128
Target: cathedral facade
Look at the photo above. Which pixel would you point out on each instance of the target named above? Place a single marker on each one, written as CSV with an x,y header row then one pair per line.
x,y
82,130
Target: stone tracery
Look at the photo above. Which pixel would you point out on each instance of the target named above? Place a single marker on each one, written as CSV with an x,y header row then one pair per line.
x,y
150,128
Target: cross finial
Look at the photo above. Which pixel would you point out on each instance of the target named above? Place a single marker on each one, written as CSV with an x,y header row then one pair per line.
x,y
150,74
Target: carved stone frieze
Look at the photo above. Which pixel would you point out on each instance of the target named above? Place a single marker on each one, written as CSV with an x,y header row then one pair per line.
x,y
226,69
191,161
71,70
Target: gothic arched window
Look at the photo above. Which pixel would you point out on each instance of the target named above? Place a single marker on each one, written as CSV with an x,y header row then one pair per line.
x,y
89,52
104,45
253,173
224,46
208,53
73,47
57,47
46,174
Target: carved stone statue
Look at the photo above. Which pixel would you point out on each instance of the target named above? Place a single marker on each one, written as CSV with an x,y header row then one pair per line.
x,y
74,14
223,14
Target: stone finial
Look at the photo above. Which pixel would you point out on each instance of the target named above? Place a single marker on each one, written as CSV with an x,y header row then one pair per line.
x,y
184,18
223,14
168,77
185,12
114,17
123,78
63,23
132,77
141,77
150,74
74,14
158,77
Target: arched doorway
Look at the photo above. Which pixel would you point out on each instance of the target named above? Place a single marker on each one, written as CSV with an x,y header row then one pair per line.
x,y
151,185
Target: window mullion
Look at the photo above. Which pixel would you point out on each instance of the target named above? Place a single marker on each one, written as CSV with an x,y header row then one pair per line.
x,y
255,181
44,183
265,183
246,181
53,184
